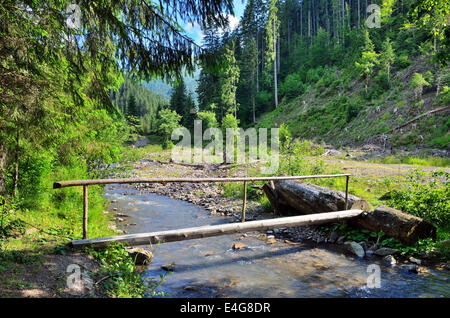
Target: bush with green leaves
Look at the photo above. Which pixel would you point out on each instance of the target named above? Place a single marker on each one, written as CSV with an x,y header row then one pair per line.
x,y
292,86
427,196
9,223
123,279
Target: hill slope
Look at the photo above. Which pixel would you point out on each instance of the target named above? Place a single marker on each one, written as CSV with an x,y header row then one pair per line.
x,y
335,109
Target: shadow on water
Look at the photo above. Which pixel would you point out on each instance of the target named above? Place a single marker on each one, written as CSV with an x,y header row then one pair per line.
x,y
211,268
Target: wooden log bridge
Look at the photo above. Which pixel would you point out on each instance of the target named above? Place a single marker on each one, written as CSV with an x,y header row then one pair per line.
x,y
244,180
216,230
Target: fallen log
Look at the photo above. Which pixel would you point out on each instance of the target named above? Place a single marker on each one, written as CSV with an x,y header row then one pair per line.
x,y
406,228
294,197
216,230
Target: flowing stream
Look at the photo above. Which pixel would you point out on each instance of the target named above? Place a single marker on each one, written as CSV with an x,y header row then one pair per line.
x,y
209,267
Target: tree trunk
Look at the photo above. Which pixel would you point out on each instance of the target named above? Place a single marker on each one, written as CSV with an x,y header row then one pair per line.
x,y
404,227
359,14
254,111
294,197
16,166
275,84
3,154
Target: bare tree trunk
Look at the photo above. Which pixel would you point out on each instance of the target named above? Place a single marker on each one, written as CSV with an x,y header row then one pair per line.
x,y
3,155
278,55
359,14
16,166
257,61
301,20
254,111
275,66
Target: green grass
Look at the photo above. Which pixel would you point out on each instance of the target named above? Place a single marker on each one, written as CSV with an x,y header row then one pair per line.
x,y
54,217
416,161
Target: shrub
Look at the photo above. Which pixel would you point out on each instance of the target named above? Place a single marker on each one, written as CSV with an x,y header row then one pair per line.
x,y
427,196
292,86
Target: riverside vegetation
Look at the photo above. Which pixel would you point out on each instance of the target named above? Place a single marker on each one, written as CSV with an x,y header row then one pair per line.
x,y
312,68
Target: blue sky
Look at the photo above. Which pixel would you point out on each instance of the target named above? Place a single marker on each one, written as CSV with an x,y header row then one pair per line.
x,y
195,32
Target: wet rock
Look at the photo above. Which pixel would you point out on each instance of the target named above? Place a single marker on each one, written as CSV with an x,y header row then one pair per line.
x,y
340,240
356,249
333,237
415,260
140,256
271,240
384,251
411,268
120,219
389,260
168,267
369,252
123,215
238,246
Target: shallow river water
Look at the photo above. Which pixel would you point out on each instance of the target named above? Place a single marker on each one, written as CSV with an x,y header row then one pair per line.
x,y
209,267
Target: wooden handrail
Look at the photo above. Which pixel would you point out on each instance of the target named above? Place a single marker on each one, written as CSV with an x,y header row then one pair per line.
x,y
78,183
86,183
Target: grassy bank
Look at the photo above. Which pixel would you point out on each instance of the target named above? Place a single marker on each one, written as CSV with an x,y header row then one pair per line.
x,y
39,224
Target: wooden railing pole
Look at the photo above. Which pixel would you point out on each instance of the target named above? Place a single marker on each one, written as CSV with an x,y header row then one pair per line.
x,y
85,212
244,203
346,192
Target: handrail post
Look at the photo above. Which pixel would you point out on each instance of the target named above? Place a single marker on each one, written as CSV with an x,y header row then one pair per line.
x,y
244,203
346,191
85,212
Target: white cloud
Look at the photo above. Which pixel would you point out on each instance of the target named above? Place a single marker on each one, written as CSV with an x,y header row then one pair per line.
x,y
233,22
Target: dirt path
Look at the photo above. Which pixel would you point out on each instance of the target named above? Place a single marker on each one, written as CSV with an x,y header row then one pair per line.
x,y
48,275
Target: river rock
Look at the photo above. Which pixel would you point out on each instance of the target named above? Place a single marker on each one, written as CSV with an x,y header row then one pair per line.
x,y
140,256
356,249
384,251
340,240
238,246
168,267
415,260
333,237
412,268
389,260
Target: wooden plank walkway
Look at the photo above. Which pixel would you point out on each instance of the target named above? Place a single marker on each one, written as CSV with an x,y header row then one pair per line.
x,y
216,230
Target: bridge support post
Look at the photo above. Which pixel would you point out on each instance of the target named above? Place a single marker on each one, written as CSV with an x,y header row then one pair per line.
x,y
85,212
346,191
244,203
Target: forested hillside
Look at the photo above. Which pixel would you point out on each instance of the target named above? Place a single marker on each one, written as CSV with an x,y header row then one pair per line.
x,y
136,100
345,72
